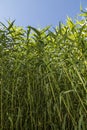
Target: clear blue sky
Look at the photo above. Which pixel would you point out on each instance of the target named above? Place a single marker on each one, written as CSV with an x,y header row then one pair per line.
x,y
39,13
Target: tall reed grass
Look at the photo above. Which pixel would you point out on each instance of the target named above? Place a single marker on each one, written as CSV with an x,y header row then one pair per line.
x,y
43,77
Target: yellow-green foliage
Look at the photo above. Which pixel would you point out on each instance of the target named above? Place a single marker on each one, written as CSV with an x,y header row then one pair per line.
x,y
43,77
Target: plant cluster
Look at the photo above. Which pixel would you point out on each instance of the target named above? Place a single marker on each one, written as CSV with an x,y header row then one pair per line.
x,y
43,77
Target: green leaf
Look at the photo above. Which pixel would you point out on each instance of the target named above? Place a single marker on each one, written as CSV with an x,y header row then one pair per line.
x,y
35,30
84,14
45,29
28,32
10,25
81,8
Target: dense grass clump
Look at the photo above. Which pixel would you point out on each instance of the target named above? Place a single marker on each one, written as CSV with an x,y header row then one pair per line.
x,y
43,77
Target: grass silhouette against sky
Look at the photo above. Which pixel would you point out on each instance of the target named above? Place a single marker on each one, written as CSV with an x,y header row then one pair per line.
x,y
39,12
